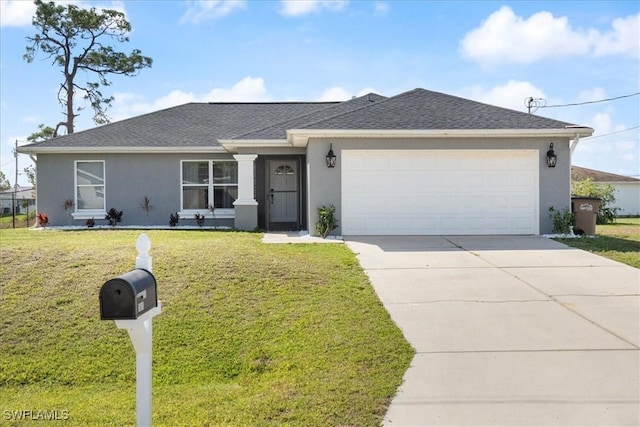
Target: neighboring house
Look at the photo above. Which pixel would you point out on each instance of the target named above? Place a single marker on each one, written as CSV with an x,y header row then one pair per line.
x,y
25,200
627,189
420,162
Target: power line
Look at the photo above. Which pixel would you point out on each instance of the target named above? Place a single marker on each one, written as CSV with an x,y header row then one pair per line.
x,y
589,102
611,133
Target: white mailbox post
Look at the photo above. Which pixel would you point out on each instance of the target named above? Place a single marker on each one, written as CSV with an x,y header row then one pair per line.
x,y
140,331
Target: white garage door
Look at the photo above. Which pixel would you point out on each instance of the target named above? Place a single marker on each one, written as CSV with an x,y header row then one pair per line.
x,y
439,192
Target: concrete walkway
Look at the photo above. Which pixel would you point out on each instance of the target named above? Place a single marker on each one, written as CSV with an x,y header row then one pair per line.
x,y
295,237
509,331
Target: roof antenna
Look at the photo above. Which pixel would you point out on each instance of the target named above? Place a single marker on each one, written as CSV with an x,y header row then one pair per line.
x,y
528,102
534,103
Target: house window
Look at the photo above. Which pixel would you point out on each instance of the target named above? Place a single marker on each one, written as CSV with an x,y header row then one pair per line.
x,y
209,183
89,177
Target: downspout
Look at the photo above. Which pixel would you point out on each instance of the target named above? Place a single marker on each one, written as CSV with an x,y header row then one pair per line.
x,y
572,147
35,162
574,143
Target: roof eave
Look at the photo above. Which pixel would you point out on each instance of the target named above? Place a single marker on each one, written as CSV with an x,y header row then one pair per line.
x,y
121,150
300,137
232,145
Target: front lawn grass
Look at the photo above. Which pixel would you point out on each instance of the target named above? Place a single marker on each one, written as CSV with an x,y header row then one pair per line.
x,y
619,241
250,334
6,221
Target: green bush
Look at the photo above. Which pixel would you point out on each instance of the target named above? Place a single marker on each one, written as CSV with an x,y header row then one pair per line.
x,y
562,221
605,192
326,220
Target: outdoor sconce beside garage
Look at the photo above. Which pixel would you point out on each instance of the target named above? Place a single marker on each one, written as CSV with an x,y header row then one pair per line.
x,y
551,157
331,158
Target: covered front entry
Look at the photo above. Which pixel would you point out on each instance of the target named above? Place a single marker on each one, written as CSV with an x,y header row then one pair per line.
x,y
439,192
283,194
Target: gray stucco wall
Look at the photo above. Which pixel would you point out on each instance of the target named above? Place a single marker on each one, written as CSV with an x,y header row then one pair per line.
x,y
128,179
325,187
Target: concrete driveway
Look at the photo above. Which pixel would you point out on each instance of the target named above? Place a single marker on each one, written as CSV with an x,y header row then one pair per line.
x,y
509,331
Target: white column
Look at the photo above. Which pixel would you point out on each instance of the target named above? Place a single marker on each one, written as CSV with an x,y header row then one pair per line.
x,y
245,179
246,206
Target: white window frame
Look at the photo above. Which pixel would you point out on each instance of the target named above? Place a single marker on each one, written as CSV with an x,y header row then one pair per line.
x,y
217,212
88,213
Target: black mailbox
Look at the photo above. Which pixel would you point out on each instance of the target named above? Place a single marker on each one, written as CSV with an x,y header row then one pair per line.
x,y
128,296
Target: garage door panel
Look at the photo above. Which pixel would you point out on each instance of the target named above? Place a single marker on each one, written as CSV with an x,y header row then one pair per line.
x,y
521,202
439,192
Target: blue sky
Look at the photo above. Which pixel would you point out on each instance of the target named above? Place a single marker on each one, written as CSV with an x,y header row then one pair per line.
x,y
563,52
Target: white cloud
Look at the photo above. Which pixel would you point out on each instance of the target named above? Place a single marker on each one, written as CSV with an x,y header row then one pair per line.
x,y
591,95
198,11
618,153
623,39
601,123
380,8
510,95
299,8
15,13
611,149
19,13
248,89
335,93
338,93
506,37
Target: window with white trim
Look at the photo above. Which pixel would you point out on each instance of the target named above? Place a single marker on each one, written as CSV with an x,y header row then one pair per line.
x,y
208,183
89,185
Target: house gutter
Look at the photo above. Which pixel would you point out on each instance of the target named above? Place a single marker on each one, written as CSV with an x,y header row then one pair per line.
x,y
232,145
25,149
300,137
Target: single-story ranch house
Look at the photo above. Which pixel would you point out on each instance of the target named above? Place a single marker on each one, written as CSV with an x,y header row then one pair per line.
x,y
417,163
627,189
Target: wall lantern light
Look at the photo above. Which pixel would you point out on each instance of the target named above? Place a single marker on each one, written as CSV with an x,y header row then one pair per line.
x,y
551,157
331,158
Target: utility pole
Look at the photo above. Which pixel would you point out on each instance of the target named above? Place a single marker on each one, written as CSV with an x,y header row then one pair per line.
x,y
14,200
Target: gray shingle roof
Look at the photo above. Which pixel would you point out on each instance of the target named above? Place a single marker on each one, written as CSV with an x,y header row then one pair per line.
x,y
423,109
204,124
278,130
189,125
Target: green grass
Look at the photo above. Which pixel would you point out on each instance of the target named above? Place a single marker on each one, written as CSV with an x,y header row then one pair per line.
x,y
250,334
21,220
619,241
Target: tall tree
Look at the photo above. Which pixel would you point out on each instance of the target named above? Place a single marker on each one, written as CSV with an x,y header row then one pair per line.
x,y
30,171
4,182
76,40
43,133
